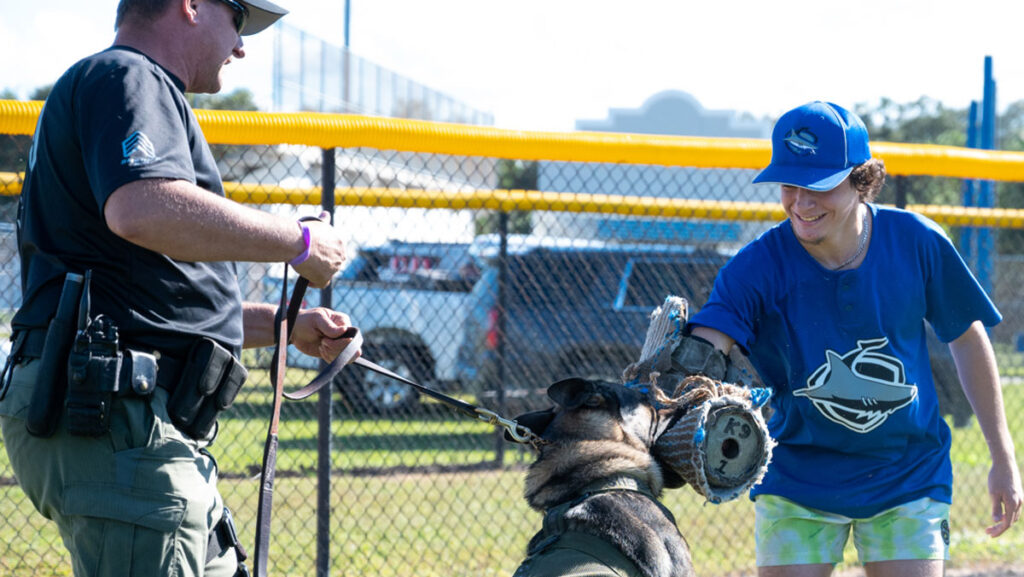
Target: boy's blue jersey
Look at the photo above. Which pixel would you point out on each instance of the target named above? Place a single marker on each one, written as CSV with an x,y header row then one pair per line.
x,y
856,414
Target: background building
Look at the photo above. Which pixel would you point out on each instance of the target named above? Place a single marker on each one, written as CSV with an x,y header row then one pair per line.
x,y
672,113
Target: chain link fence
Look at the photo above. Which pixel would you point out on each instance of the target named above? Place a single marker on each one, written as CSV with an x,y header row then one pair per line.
x,y
490,302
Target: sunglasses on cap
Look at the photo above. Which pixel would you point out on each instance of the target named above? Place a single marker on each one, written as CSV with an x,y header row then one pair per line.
x,y
241,14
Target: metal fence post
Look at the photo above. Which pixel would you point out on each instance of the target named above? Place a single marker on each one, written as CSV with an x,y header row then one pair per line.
x,y
986,191
499,440
967,232
900,183
323,404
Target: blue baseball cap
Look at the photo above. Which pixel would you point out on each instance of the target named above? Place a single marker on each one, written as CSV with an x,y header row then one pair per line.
x,y
816,146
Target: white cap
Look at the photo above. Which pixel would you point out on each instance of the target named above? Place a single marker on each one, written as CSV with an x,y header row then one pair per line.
x,y
262,14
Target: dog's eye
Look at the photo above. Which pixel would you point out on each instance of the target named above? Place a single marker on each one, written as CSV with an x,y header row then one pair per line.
x,y
594,401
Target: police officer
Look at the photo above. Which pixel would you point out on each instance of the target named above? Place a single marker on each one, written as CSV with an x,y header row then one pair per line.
x,y
122,183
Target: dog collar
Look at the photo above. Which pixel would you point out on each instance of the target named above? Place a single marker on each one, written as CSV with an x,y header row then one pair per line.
x,y
611,484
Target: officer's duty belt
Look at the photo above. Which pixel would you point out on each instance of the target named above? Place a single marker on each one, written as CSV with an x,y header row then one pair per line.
x,y
168,369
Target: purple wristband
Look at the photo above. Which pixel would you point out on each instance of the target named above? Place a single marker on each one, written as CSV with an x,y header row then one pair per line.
x,y
305,253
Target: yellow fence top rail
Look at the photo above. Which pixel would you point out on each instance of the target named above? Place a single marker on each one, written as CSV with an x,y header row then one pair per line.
x,y
509,200
348,131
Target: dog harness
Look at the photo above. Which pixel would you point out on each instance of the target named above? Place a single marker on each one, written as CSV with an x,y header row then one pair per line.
x,y
560,551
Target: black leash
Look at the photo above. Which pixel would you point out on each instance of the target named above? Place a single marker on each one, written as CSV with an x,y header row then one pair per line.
x,y
284,321
516,432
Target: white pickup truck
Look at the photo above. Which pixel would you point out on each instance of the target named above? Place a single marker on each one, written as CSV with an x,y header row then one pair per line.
x,y
408,300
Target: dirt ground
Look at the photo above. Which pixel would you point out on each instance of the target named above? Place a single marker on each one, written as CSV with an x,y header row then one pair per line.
x,y
980,571
994,571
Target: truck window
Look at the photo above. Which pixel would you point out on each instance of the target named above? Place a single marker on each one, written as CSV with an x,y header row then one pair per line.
x,y
646,282
564,280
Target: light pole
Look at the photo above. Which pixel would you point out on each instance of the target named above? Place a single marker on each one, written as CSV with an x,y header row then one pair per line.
x,y
346,64
348,14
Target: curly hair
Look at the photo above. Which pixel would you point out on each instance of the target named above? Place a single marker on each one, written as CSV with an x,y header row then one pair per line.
x,y
868,179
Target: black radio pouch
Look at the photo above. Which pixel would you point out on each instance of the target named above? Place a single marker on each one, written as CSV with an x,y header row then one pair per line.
x,y
210,381
94,368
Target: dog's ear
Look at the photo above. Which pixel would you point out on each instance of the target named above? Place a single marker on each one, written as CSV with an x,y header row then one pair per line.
x,y
571,393
537,422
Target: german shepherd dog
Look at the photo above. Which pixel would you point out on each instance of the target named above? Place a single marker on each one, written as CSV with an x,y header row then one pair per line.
x,y
597,484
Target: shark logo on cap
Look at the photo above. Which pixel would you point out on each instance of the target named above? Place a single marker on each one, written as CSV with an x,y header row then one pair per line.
x,y
801,142
860,389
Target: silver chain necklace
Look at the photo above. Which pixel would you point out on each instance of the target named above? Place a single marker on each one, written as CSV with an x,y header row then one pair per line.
x,y
863,242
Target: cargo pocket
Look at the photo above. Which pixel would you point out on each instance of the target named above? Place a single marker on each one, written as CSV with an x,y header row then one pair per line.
x,y
118,531
142,423
131,424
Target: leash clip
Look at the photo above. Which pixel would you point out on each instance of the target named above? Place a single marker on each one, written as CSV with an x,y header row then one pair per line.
x,y
515,431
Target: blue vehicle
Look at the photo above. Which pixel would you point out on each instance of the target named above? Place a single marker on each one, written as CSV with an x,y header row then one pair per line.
x,y
570,308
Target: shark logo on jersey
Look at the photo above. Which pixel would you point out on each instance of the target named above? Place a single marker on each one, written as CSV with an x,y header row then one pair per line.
x,y
801,142
138,150
860,389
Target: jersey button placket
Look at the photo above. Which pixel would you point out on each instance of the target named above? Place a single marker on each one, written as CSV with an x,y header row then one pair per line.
x,y
845,298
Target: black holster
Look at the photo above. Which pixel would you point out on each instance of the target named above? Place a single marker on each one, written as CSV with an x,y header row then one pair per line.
x,y
224,536
48,396
210,381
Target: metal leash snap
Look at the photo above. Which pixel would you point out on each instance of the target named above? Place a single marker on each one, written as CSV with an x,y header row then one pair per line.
x,y
516,432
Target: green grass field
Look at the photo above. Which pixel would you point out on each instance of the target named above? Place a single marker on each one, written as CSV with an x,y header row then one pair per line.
x,y
424,497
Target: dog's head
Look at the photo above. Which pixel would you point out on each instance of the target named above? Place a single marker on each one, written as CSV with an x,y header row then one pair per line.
x,y
596,410
595,430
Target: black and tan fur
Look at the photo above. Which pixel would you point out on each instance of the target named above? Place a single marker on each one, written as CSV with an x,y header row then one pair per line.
x,y
597,476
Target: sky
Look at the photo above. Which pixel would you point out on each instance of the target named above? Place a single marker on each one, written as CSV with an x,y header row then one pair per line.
x,y
544,64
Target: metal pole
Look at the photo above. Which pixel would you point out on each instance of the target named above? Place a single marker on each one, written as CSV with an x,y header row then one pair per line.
x,y
499,438
302,69
278,74
986,192
323,75
323,404
967,234
348,19
346,64
346,74
900,184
